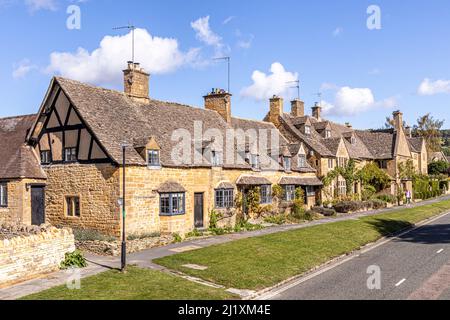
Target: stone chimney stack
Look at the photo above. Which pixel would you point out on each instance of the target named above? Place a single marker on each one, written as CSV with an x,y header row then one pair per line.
x,y
276,110
398,120
136,82
408,132
297,108
316,112
220,101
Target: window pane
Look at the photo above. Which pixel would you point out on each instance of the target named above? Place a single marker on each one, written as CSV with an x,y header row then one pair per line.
x,y
3,195
153,157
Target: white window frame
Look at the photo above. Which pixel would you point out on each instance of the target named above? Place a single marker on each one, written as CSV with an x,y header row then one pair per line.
x,y
3,195
158,156
307,130
302,162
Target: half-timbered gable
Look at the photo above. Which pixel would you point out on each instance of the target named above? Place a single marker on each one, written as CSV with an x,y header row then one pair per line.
x,y
60,135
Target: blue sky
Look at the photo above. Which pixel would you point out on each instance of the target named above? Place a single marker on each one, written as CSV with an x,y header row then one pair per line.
x,y
363,74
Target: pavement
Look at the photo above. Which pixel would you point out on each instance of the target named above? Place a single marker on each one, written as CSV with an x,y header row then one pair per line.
x,y
97,264
414,265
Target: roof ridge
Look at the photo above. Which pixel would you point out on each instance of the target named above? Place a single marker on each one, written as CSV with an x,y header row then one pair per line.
x,y
19,116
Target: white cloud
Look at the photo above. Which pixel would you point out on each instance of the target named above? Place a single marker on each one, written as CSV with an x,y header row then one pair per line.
x,y
22,68
353,101
374,72
36,5
228,20
266,85
338,31
326,86
429,87
204,33
102,65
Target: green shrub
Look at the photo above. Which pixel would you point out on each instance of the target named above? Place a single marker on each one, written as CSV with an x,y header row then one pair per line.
x,y
140,236
247,226
177,238
378,204
387,198
194,233
324,211
348,206
74,260
278,219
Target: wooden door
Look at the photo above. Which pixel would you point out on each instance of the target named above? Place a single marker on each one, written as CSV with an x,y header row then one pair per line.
x,y
198,210
37,206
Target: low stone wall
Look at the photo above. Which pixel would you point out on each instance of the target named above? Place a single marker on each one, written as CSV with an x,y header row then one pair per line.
x,y
105,248
32,252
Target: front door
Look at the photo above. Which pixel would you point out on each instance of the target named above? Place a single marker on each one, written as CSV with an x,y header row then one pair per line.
x,y
198,210
37,206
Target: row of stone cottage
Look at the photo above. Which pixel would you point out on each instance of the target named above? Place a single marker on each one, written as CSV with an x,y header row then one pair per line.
x,y
63,165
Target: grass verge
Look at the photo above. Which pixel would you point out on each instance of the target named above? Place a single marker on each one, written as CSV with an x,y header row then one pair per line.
x,y
260,262
136,284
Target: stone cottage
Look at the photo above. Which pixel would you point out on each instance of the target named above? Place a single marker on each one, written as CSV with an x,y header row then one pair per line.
x,y
328,144
21,178
181,162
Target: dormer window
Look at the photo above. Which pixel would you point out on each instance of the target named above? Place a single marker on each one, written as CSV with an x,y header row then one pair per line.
x,y
327,134
352,140
287,163
153,159
308,130
302,160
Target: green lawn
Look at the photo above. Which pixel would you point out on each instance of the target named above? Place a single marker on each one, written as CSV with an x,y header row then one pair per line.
x,y
257,263
136,284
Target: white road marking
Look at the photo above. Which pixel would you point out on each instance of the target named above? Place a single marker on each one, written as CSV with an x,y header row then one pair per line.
x,y
440,251
400,283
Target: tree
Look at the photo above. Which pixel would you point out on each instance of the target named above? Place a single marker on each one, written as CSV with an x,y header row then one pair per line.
x,y
430,129
406,170
438,167
372,175
347,172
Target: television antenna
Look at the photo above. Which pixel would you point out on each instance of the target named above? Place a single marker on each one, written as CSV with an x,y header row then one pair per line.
x,y
295,84
228,60
132,28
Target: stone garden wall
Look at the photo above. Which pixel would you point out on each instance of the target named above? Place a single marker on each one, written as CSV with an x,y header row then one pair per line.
x,y
29,251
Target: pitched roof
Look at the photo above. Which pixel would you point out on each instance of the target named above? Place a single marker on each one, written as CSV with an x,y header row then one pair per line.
x,y
313,142
298,181
246,180
171,186
114,118
416,144
17,159
380,144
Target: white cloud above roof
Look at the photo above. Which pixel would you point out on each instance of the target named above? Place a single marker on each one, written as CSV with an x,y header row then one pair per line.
x,y
266,85
103,65
353,101
430,87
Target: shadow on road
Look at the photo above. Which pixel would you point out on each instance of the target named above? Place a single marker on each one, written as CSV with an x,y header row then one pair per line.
x,y
429,234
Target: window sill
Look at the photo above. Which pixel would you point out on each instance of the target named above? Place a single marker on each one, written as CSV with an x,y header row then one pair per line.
x,y
155,167
171,214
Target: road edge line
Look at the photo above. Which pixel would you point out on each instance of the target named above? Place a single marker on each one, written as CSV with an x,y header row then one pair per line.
x,y
296,280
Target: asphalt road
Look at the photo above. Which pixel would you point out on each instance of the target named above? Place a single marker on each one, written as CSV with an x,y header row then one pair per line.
x,y
414,266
